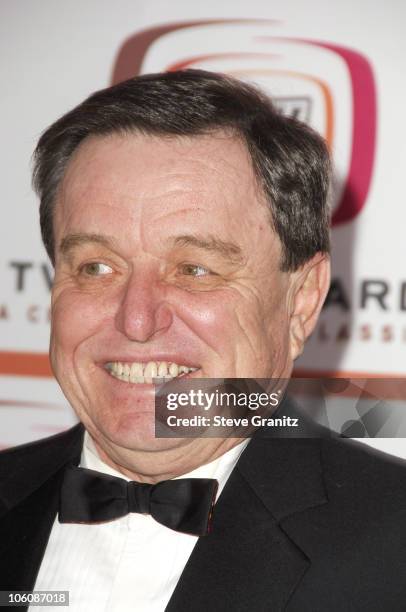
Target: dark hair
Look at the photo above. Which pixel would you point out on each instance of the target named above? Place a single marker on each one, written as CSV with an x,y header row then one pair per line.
x,y
290,160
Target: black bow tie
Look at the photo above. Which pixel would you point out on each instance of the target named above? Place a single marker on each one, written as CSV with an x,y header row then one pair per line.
x,y
184,505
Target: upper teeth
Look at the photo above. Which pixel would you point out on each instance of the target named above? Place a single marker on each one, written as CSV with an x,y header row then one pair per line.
x,y
138,372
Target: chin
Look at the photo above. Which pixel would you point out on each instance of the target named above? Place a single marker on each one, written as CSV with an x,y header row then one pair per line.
x,y
131,432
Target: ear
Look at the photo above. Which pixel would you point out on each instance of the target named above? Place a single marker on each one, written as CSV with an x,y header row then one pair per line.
x,y
310,285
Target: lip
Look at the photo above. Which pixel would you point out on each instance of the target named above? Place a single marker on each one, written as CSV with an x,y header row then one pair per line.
x,y
169,358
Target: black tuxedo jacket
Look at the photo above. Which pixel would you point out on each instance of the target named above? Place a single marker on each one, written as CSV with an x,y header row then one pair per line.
x,y
303,525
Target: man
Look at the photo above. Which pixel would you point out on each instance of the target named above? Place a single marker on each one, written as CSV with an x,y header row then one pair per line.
x,y
188,225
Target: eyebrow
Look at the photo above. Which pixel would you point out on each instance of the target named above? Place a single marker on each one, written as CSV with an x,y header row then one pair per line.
x,y
228,250
72,241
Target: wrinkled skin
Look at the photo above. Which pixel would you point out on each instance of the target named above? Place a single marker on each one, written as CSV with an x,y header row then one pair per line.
x,y
188,270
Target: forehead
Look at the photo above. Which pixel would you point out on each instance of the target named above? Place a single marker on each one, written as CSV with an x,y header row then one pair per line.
x,y
149,185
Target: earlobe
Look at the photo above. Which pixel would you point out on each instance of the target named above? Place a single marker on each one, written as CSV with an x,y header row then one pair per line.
x,y
310,286
297,336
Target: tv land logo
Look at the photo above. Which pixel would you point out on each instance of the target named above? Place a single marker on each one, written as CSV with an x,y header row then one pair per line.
x,y
329,86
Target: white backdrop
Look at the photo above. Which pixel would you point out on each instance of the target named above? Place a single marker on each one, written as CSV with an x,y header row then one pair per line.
x,y
339,66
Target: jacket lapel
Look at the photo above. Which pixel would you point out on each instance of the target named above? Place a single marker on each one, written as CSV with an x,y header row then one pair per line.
x,y
30,479
249,562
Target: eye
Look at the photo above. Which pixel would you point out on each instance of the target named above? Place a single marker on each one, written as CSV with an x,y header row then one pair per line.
x,y
95,268
193,270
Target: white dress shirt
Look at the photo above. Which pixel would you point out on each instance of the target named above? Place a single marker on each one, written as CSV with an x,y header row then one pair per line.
x,y
131,563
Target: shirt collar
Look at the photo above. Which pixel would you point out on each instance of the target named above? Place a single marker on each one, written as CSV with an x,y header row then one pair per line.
x,y
220,468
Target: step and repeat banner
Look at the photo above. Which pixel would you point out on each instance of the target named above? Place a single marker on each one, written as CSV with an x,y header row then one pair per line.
x,y
340,68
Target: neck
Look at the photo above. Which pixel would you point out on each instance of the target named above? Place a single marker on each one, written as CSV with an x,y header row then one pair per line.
x,y
156,465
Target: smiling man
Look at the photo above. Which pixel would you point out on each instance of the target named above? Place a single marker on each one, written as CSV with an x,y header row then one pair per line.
x,y
188,224
156,276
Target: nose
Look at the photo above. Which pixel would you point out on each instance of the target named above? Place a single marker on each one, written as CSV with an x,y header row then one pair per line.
x,y
143,312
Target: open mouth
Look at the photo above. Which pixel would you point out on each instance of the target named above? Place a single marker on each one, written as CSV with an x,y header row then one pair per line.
x,y
156,372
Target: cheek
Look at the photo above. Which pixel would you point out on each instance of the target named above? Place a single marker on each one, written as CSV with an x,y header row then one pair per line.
x,y
231,323
263,328
210,316
75,317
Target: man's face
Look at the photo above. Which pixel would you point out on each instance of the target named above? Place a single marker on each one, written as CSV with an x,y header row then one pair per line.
x,y
165,255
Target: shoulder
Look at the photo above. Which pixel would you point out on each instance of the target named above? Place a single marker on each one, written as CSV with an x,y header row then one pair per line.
x,y
371,478
43,447
364,521
356,538
357,482
24,468
349,468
